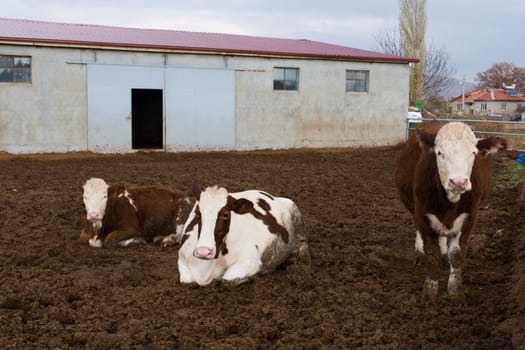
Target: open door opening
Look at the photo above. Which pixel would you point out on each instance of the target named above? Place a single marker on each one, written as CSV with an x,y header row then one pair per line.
x,y
146,119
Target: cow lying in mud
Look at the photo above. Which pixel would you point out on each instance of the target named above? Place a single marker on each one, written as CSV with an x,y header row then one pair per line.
x,y
123,215
442,175
234,236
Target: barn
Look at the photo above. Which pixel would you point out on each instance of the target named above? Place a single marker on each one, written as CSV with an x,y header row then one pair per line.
x,y
75,87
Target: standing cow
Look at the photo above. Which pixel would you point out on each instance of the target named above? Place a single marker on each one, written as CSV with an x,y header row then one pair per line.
x,y
233,236
442,175
121,215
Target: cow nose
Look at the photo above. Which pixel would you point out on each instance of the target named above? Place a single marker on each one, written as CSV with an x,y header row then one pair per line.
x,y
458,183
203,253
93,215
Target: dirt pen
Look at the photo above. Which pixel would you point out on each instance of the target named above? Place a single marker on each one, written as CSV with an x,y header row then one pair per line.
x,y
363,293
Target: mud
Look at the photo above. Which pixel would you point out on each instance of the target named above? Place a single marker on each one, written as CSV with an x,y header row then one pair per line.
x,y
363,293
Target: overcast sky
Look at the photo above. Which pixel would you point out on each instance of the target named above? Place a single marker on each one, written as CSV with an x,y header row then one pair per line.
x,y
475,33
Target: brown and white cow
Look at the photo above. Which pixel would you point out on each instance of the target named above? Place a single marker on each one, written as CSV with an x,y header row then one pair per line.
x,y
122,215
442,175
234,236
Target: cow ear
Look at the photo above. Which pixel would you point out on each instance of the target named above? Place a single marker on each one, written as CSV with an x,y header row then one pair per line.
x,y
425,139
196,189
242,206
491,145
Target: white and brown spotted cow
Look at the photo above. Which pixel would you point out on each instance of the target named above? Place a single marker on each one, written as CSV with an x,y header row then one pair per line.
x,y
233,236
121,215
443,174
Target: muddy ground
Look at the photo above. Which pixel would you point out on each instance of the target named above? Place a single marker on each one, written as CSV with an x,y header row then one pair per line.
x,y
58,293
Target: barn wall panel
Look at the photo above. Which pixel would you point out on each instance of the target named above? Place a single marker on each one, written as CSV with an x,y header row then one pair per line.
x,y
109,103
200,109
48,114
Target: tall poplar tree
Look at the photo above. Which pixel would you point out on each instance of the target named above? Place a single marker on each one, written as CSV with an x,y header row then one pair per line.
x,y
412,29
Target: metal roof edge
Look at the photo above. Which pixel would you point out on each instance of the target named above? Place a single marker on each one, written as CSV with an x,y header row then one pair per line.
x,y
193,50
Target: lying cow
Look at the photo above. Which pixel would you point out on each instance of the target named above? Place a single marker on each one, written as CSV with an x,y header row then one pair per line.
x,y
121,215
233,236
443,174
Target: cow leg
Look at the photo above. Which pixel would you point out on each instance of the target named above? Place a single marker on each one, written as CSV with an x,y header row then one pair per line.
x,y
122,237
185,274
420,252
171,239
431,258
456,258
241,271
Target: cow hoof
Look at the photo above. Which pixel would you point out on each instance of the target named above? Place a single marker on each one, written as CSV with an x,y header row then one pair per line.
x,y
430,290
418,260
158,240
455,288
166,242
234,282
458,296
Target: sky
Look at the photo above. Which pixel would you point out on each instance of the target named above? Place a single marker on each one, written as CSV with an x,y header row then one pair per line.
x,y
475,33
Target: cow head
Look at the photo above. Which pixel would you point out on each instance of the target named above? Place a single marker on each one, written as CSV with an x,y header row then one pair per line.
x,y
95,196
212,215
455,147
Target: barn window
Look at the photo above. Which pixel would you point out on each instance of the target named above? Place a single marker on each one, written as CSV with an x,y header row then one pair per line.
x,y
285,78
357,80
15,69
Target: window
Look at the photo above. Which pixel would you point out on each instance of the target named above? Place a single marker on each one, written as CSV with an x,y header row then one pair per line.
x,y
15,69
483,107
503,106
357,80
285,78
459,107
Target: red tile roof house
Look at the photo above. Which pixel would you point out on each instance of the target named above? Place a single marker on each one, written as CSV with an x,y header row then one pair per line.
x,y
74,87
492,103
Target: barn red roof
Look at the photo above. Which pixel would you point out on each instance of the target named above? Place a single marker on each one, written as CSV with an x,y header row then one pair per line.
x,y
487,95
82,35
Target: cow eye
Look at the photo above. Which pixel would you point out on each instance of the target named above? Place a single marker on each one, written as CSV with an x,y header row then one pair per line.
x,y
225,215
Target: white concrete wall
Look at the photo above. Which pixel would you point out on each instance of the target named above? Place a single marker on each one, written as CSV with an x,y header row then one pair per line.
x,y
321,113
51,114
48,115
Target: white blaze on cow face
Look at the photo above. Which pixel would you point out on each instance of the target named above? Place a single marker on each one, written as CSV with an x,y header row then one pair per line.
x,y
95,196
455,149
211,202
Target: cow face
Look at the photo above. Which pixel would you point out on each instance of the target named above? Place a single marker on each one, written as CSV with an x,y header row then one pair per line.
x,y
95,196
455,148
213,215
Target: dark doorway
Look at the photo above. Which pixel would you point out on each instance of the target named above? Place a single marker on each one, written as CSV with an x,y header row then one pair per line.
x,y
146,118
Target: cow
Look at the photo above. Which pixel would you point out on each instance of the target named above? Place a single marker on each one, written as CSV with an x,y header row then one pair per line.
x,y
231,237
123,215
442,175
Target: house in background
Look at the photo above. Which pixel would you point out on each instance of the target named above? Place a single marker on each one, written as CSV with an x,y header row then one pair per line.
x,y
497,103
73,87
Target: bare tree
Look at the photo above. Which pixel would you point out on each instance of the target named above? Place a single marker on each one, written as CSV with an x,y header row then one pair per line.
x,y
388,42
499,74
437,74
412,29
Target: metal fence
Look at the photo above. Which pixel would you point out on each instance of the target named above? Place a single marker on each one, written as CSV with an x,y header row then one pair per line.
x,y
411,125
